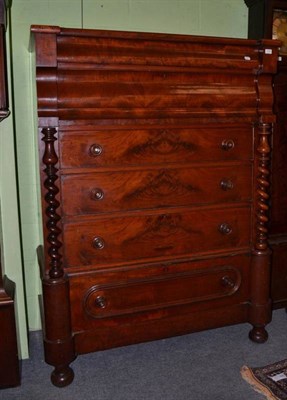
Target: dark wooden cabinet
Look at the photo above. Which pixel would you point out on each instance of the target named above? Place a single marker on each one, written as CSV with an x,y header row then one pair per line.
x,y
9,362
4,107
155,157
267,19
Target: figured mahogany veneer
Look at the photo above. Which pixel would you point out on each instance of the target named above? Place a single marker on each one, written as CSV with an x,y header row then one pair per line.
x,y
120,147
123,238
155,155
132,189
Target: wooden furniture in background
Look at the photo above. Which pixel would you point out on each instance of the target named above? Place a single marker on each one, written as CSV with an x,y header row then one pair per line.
x,y
261,16
9,363
155,153
4,106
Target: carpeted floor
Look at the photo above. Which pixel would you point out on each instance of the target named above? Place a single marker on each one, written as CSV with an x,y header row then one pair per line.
x,y
199,366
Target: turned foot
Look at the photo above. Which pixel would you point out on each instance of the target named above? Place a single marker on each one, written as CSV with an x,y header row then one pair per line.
x,y
62,376
258,334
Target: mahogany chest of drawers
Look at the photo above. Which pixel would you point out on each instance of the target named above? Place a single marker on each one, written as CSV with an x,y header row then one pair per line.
x,y
155,154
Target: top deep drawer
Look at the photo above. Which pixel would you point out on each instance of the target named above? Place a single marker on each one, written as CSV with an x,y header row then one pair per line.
x,y
88,147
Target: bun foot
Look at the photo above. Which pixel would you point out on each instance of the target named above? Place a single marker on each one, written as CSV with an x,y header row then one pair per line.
x,y
258,334
62,376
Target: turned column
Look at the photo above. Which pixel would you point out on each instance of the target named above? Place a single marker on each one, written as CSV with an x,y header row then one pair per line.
x,y
58,341
260,307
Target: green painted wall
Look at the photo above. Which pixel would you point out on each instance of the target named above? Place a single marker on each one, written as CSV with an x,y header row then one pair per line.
x,y
201,17
10,235
198,17
9,216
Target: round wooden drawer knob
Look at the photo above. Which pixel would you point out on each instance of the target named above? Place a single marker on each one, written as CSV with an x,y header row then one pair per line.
x,y
95,150
226,281
225,229
227,144
98,243
226,184
97,194
101,302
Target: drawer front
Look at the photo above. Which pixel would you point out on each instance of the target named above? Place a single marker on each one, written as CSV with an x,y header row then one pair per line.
x,y
93,148
156,290
126,190
148,94
112,240
126,298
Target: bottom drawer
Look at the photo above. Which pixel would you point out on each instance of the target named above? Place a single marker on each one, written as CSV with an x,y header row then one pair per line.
x,y
155,291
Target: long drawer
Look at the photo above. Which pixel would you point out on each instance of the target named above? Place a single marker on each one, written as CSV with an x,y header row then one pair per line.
x,y
156,290
135,236
134,146
141,189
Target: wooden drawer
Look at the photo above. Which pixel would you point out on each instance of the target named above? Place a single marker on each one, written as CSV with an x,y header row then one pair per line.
x,y
126,298
149,94
129,237
157,287
142,189
118,147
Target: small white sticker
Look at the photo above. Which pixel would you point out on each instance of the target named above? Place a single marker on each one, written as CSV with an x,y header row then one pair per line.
x,y
279,58
247,58
278,377
268,51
